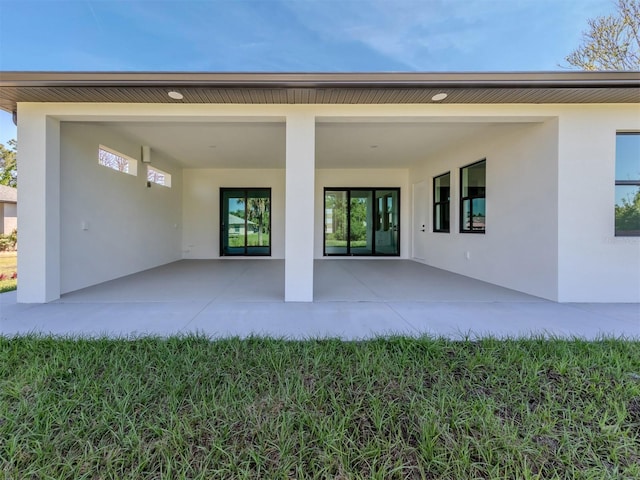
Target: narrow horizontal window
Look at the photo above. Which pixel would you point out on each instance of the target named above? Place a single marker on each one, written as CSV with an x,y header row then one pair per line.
x,y
157,176
114,160
627,201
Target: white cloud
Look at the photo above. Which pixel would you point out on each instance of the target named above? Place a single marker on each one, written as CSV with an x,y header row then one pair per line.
x,y
423,33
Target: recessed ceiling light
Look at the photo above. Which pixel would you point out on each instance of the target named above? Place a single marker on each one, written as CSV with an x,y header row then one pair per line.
x,y
439,96
175,95
212,146
373,146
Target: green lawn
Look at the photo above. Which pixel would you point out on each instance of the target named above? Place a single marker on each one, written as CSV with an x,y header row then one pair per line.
x,y
252,240
260,408
8,266
343,243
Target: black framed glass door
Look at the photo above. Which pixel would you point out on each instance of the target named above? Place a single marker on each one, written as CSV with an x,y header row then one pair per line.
x,y
362,221
245,221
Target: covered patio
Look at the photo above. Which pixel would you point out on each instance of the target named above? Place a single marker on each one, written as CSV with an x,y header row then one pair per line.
x,y
354,299
244,280
301,167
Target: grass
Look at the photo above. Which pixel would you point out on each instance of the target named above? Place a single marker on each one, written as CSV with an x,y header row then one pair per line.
x,y
8,266
343,243
264,408
252,240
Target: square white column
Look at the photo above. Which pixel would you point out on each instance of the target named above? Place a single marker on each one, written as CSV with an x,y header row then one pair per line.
x,y
299,207
38,206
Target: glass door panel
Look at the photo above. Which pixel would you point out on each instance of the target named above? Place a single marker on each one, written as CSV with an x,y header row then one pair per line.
x,y
258,222
245,222
361,222
387,222
232,222
335,222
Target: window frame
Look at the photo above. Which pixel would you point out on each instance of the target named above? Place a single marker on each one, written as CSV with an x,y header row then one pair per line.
x,y
375,220
441,203
165,175
471,198
249,250
132,163
624,183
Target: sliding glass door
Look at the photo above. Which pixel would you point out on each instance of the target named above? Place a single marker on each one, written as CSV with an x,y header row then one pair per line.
x,y
362,221
245,216
387,221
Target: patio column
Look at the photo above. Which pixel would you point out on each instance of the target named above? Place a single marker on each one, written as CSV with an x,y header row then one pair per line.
x,y
38,206
299,205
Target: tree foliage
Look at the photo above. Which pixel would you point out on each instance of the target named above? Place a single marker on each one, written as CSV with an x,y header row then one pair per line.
x,y
8,165
612,42
628,215
258,211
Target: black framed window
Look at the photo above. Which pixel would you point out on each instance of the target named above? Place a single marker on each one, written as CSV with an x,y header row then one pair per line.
x,y
473,180
627,206
441,202
362,221
245,221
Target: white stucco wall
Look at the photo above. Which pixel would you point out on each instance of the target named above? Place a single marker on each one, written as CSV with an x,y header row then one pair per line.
x,y
201,207
594,265
129,227
569,179
519,248
38,162
375,177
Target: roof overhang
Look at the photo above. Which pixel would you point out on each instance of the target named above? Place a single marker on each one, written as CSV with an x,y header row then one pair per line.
x,y
319,88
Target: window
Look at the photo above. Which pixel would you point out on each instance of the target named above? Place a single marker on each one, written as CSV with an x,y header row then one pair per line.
x,y
362,221
157,176
114,160
441,198
627,207
472,197
245,221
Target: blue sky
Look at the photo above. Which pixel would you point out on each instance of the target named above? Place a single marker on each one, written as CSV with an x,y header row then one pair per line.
x,y
290,35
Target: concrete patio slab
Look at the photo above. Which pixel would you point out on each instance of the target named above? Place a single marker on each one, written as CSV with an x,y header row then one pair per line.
x,y
402,280
300,320
354,300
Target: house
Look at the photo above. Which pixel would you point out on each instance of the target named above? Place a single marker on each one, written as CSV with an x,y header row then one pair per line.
x,y
524,180
238,226
8,209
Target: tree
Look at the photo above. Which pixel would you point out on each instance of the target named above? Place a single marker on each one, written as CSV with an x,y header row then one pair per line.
x,y
111,160
8,165
258,212
628,215
612,42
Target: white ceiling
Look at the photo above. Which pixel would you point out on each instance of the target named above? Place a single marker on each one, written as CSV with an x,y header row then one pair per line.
x,y
386,145
212,145
352,144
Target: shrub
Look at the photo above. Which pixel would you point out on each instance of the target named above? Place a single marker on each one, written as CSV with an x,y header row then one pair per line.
x,y
9,242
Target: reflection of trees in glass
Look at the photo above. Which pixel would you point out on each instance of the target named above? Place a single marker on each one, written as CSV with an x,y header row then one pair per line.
x,y
338,206
113,161
358,219
628,215
258,212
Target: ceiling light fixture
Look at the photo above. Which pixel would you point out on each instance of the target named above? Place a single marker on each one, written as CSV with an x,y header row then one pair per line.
x,y
439,97
373,146
175,95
